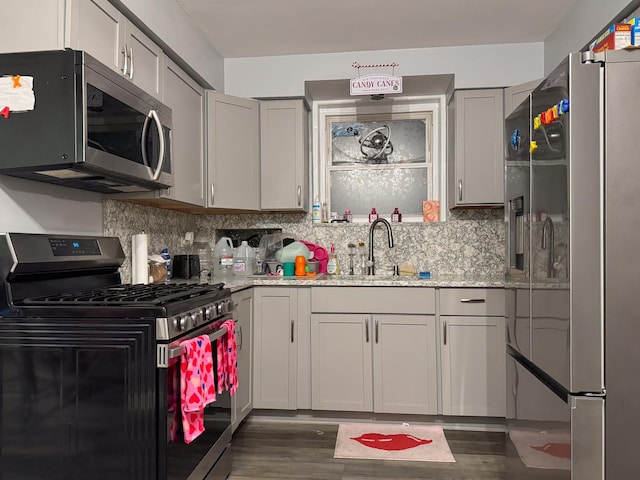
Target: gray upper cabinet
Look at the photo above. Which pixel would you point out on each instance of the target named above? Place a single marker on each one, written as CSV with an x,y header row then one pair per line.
x,y
95,26
284,155
233,170
98,27
145,60
475,164
514,96
186,100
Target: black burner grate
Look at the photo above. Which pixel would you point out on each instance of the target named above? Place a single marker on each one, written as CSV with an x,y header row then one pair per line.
x,y
125,294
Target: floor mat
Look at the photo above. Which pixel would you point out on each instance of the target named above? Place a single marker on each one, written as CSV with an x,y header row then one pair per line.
x,y
420,443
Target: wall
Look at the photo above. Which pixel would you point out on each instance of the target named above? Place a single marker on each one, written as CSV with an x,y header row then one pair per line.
x,y
34,207
473,66
164,228
587,19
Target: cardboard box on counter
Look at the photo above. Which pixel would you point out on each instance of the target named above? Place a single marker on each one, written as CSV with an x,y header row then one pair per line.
x,y
617,37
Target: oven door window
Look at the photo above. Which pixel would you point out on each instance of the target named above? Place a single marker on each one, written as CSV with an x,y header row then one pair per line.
x,y
118,129
182,458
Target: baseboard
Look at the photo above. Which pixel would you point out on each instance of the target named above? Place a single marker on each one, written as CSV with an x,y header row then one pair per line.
x,y
480,424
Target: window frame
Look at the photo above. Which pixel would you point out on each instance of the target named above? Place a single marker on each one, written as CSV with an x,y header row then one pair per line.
x,y
323,111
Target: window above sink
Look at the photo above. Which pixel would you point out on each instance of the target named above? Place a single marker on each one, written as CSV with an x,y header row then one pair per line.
x,y
381,155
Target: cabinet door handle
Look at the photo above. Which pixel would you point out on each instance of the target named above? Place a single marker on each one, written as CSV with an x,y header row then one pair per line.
x,y
472,300
299,195
460,189
376,331
239,330
125,60
131,64
366,330
213,192
291,331
445,332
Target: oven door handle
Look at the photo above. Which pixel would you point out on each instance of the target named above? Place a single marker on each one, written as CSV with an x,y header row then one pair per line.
x,y
165,353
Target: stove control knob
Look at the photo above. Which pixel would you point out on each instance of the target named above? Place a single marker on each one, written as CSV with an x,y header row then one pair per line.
x,y
183,323
196,317
230,305
221,310
209,312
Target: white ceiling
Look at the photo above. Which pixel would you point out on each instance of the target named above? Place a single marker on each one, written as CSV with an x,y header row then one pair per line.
x,y
254,28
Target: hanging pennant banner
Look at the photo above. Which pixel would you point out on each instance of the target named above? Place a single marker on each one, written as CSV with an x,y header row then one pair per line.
x,y
375,84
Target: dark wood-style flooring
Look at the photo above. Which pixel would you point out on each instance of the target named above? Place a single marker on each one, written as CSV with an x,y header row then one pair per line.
x,y
289,450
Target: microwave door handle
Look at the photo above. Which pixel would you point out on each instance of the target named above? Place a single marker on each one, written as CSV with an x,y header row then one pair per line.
x,y
158,171
143,139
145,131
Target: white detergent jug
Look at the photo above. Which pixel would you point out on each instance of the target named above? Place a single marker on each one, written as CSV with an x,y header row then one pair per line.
x,y
244,260
223,258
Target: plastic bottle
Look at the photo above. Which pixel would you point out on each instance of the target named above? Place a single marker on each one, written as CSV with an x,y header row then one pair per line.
x,y
373,215
347,215
332,265
164,253
203,249
300,266
396,216
244,260
325,213
315,210
223,258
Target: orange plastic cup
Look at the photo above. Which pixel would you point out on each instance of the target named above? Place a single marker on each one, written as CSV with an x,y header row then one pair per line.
x,y
300,266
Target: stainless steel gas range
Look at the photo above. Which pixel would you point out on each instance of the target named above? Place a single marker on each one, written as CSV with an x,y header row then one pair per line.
x,y
88,366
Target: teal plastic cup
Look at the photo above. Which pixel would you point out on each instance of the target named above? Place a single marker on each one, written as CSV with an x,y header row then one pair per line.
x,y
288,268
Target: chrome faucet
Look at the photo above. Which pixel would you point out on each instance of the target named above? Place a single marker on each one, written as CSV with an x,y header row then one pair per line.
x,y
374,224
547,231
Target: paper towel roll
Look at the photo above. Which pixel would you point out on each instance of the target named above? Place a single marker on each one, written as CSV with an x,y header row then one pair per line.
x,y
139,263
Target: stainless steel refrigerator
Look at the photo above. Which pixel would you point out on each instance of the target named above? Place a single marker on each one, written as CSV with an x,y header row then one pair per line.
x,y
572,183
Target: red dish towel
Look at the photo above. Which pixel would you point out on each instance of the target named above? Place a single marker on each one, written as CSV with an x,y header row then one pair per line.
x,y
197,387
228,359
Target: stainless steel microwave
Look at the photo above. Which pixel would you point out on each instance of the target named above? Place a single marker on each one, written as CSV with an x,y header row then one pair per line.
x,y
88,128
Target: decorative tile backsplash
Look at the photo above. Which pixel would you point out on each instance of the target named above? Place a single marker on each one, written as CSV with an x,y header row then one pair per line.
x,y
470,242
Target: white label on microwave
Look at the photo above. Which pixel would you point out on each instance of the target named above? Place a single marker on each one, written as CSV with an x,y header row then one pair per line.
x,y
16,93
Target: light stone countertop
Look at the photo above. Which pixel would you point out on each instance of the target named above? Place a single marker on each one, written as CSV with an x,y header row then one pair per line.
x,y
239,283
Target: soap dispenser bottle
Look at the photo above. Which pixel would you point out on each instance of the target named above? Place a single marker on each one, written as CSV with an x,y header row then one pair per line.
x,y
373,216
332,265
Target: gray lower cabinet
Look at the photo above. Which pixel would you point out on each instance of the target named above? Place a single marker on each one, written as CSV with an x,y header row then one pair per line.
x,y
242,401
475,143
472,327
233,169
383,361
275,346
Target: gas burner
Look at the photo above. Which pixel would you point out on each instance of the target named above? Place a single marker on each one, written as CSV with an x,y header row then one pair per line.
x,y
126,294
